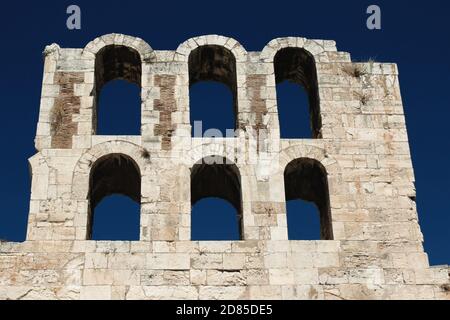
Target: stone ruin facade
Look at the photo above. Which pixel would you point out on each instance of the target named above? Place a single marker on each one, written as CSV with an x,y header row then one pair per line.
x,y
357,170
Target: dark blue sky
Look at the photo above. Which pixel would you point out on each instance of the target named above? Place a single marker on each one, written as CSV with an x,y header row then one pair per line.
x,y
414,35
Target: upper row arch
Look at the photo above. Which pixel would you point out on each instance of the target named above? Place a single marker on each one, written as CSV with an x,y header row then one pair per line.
x,y
184,49
147,54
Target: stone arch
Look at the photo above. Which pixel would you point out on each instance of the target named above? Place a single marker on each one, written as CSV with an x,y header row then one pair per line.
x,y
294,59
215,160
81,175
184,49
217,58
143,48
315,48
331,173
112,174
218,177
208,149
115,56
307,179
291,153
104,171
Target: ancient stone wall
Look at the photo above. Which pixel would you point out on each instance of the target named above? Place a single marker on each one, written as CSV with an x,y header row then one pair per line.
x,y
372,243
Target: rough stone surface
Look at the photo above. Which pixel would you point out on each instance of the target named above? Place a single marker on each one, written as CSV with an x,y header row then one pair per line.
x,y
375,249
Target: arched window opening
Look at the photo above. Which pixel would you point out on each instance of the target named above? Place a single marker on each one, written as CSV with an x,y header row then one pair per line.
x,y
216,178
113,175
118,109
217,64
297,66
306,179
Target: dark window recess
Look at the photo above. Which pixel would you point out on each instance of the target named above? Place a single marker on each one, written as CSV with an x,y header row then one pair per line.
x,y
213,179
119,219
117,111
211,63
306,179
297,66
